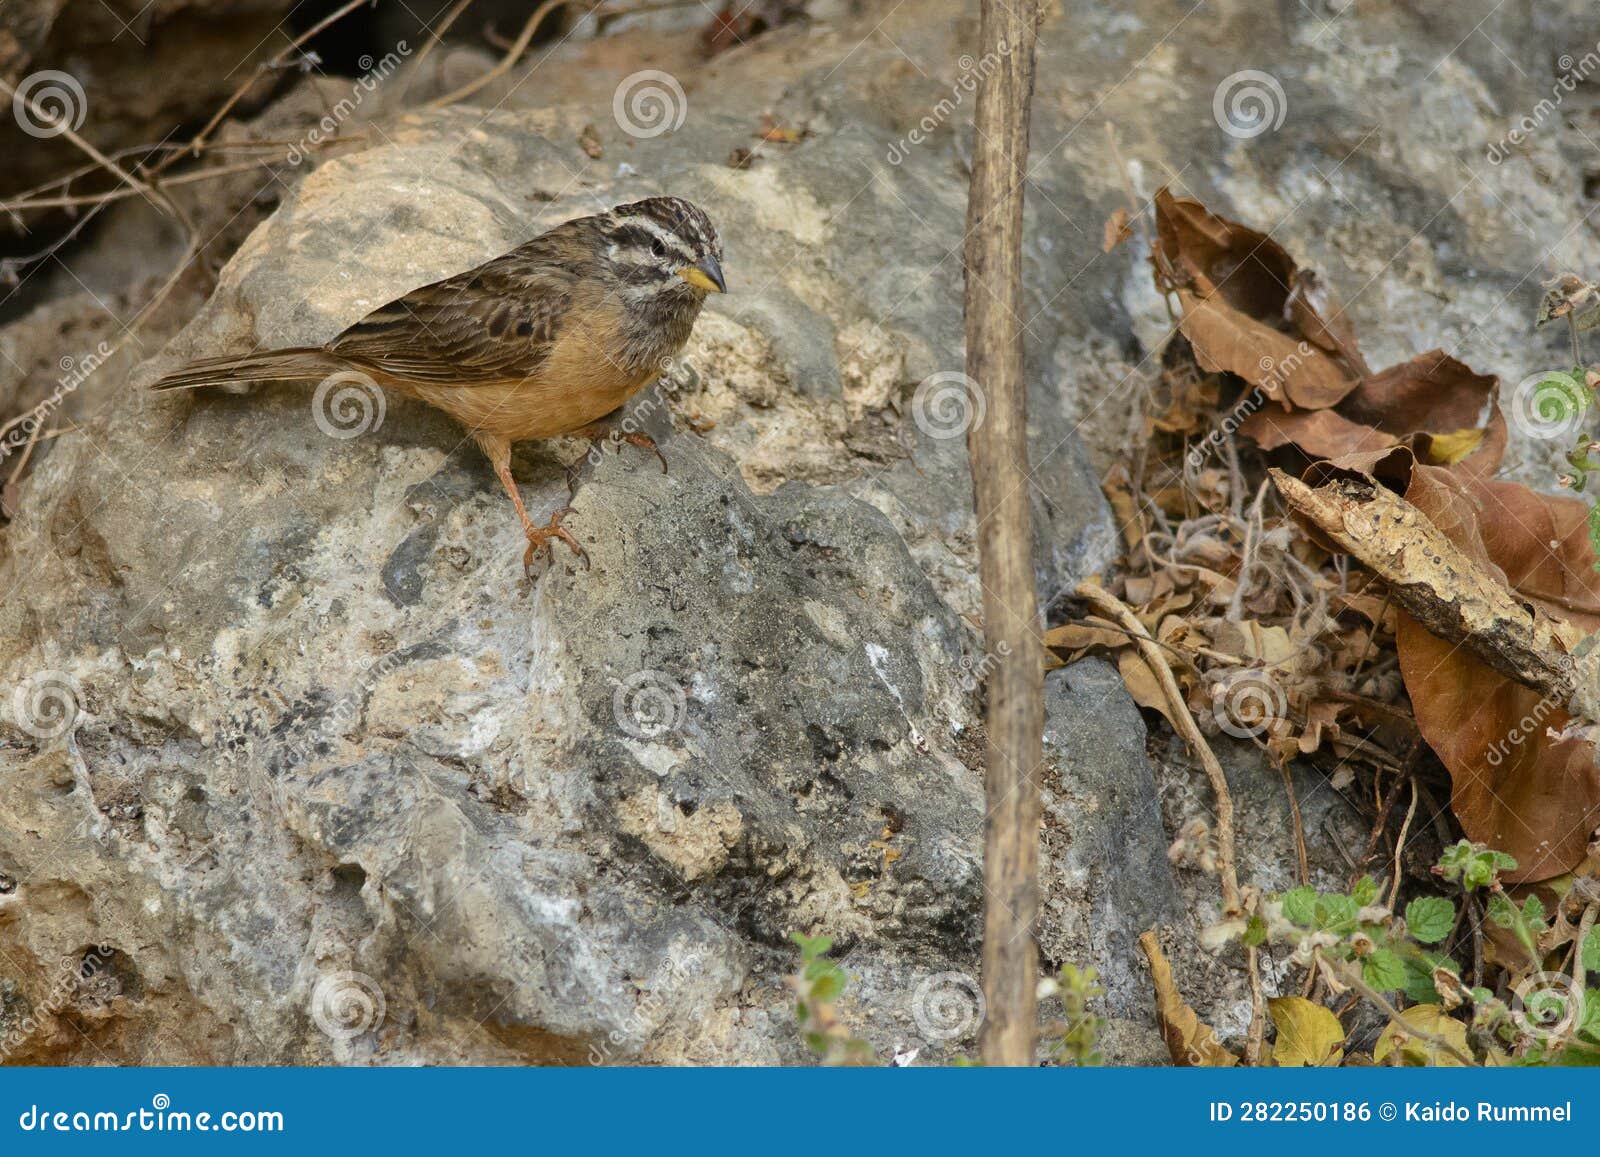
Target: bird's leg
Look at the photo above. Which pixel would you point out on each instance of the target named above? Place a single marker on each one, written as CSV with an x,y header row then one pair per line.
x,y
498,451
606,431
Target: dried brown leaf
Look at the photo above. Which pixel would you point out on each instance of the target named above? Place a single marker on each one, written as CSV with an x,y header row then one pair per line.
x,y
1190,1040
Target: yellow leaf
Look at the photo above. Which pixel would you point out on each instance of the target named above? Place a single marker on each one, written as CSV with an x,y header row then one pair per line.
x,y
1308,1034
1414,1051
1448,449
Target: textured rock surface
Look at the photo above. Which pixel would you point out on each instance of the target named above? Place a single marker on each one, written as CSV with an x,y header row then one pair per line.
x,y
332,754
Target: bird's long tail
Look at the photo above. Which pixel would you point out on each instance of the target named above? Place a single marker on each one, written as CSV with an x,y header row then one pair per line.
x,y
268,366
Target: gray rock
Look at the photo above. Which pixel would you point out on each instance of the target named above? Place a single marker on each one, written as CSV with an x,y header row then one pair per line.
x,y
1108,875
336,784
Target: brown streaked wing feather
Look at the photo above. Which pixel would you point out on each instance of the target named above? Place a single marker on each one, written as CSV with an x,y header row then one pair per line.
x,y
491,324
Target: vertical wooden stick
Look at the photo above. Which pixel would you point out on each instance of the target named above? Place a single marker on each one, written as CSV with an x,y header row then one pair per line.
x,y
998,448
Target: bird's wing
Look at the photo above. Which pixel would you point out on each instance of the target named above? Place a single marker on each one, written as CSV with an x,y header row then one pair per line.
x,y
495,323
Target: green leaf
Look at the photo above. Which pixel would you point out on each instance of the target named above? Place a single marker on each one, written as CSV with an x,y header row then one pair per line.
x,y
1591,956
1337,913
1365,891
1384,970
1502,911
1300,906
1430,918
1255,932
828,987
1474,865
1533,913
1419,984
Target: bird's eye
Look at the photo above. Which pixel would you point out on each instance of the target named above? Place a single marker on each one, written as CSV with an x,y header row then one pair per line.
x,y
657,247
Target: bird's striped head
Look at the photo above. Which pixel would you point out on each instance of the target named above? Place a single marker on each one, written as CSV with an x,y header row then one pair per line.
x,y
663,243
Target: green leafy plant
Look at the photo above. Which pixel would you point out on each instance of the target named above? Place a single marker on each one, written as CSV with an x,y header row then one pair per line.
x,y
819,983
1074,1037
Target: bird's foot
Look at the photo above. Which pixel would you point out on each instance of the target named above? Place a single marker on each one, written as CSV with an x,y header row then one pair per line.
x,y
600,433
646,442
541,537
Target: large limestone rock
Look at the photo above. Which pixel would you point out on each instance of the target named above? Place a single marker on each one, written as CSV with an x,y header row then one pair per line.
x,y
334,783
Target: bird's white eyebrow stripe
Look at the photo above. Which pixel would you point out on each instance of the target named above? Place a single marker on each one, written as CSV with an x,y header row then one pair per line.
x,y
662,234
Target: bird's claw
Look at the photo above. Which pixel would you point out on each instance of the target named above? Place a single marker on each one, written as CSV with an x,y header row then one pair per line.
x,y
540,538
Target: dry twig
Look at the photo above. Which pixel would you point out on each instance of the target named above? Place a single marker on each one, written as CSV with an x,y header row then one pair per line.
x,y
998,449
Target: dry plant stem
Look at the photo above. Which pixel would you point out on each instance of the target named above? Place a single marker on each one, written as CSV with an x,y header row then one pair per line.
x,y
1299,825
1449,593
93,153
1351,978
203,136
1112,607
1258,1009
507,62
1400,846
998,449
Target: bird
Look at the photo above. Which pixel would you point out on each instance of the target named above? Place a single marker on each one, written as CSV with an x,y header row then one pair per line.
x,y
545,340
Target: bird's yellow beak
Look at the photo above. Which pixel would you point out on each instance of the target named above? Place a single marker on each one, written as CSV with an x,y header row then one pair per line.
x,y
707,276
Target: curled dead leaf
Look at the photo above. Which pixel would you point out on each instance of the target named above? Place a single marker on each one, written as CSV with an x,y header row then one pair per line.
x,y
1191,1041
